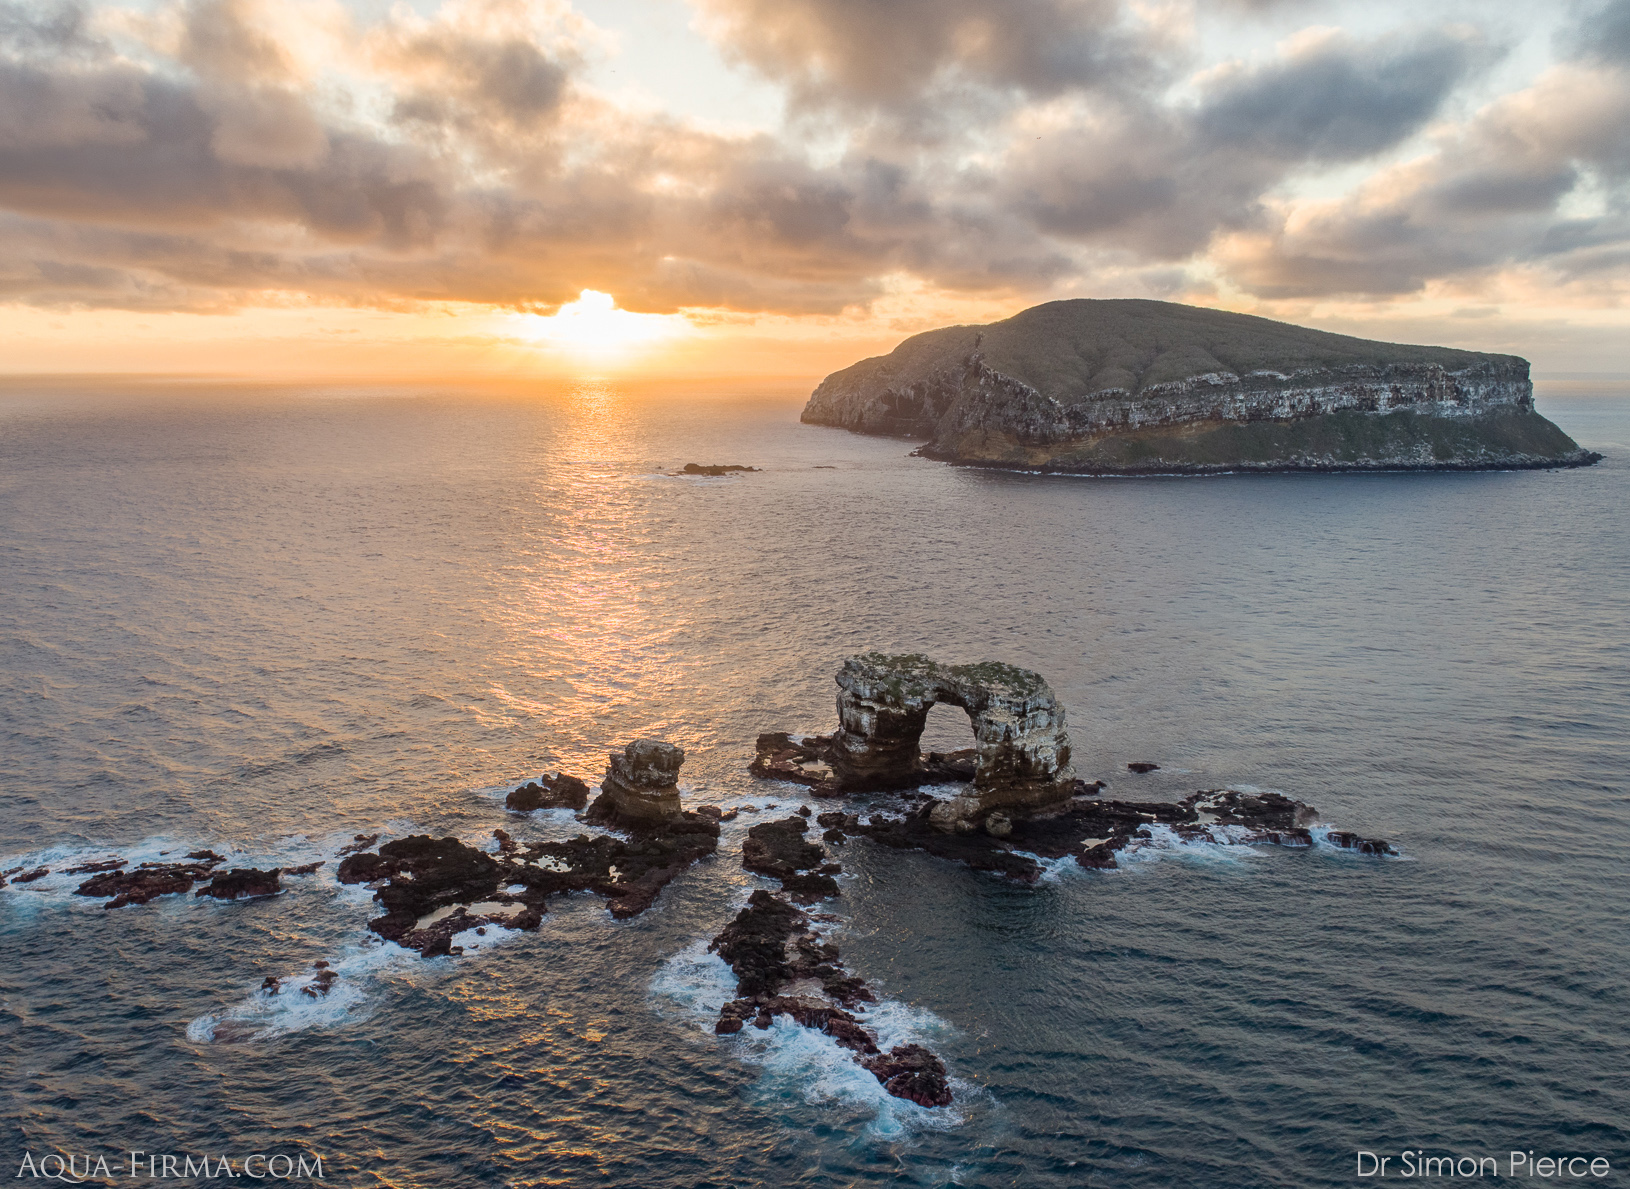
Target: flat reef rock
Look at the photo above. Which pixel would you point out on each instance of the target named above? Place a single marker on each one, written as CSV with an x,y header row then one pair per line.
x,y
1093,831
434,888
1152,387
151,880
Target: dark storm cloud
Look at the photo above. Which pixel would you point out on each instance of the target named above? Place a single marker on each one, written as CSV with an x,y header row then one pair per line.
x,y
1491,196
1603,34
1340,101
1163,181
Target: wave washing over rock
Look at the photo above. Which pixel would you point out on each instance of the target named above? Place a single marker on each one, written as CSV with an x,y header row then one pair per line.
x,y
1151,387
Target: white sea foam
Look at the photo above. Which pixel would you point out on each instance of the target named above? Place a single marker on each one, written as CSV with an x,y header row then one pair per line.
x,y
802,1062
263,1016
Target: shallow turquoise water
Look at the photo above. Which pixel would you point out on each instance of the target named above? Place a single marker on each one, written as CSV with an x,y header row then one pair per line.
x,y
270,619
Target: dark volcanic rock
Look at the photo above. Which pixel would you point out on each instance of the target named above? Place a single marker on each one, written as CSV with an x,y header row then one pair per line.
x,y
243,881
98,868
911,1071
31,876
559,791
770,948
144,883
1347,840
778,849
431,886
304,868
1095,831
1142,766
423,874
715,469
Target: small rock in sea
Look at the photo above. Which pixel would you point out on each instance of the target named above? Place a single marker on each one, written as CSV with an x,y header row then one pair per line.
x,y
97,868
715,470
360,843
31,876
206,856
1142,766
559,791
272,984
304,868
243,882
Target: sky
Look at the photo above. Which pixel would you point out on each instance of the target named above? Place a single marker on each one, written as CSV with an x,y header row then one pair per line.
x,y
780,187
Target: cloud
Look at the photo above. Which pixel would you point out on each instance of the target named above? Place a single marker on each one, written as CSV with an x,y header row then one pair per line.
x,y
1334,98
226,152
1491,196
912,58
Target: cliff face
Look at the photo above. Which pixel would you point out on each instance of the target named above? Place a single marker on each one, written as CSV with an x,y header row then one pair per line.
x,y
1135,386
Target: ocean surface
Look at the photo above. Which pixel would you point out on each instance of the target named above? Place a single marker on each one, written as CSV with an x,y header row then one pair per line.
x,y
264,620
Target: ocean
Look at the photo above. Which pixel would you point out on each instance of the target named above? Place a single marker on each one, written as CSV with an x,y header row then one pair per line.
x,y
263,620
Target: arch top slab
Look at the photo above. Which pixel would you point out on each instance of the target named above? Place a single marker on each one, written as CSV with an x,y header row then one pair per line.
x,y
1023,748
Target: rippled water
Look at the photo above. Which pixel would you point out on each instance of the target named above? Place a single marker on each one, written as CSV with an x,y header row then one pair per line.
x,y
268,620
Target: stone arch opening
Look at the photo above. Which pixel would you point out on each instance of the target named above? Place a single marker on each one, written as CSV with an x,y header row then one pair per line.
x,y
946,728
1022,748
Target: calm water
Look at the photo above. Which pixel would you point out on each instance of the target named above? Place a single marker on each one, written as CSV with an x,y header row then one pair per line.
x,y
266,621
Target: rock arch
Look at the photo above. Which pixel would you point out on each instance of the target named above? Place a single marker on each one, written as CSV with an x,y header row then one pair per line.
x,y
1019,734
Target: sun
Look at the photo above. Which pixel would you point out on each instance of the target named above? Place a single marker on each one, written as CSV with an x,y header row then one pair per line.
x,y
593,330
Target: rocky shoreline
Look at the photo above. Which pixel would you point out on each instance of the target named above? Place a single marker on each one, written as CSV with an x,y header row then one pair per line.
x,y
1178,469
1015,806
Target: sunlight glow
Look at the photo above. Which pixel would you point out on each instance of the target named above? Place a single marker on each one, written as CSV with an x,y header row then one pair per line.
x,y
593,330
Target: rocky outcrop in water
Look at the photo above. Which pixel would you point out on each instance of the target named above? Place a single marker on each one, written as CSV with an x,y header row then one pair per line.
x,y
779,850
1020,759
435,888
1127,387
242,882
784,968
1094,831
148,881
640,785
715,470
550,792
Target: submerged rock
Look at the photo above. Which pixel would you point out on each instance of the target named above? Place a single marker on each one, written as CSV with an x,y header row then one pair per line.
x,y
1133,386
1142,766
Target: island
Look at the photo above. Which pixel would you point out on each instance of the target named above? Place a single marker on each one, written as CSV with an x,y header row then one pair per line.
x,y
1153,387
